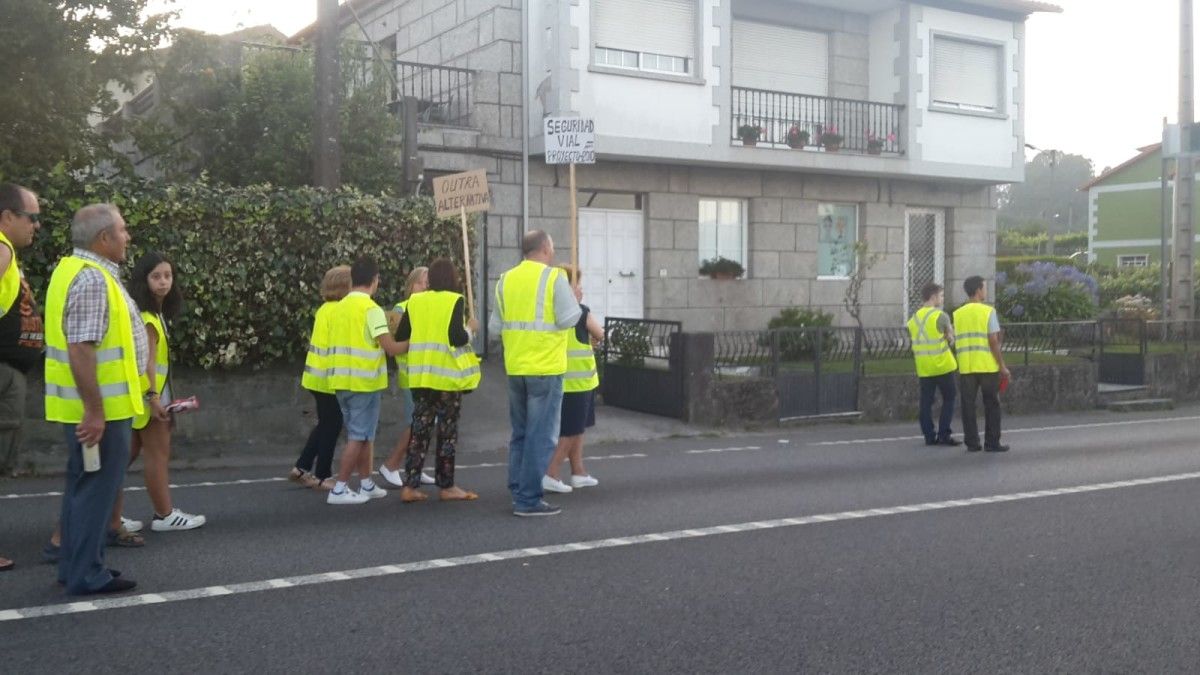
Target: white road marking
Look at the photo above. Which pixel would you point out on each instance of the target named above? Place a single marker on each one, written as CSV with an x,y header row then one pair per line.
x,y
23,613
1063,427
715,450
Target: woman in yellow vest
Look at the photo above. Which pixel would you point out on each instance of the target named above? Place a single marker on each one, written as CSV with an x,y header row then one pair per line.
x,y
442,366
579,397
153,288
417,282
314,468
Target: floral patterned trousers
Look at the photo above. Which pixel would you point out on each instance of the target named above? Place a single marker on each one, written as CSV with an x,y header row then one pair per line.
x,y
433,410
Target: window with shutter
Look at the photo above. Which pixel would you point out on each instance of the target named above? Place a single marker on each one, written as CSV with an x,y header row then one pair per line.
x,y
652,35
778,58
966,75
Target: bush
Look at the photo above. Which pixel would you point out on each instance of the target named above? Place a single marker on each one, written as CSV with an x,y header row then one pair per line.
x,y
1044,291
800,345
1009,264
1018,243
249,260
631,343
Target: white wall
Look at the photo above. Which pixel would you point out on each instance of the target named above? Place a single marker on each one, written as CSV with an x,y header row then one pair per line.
x,y
884,49
958,138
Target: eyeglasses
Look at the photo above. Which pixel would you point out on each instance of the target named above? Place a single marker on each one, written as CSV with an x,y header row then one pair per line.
x,y
33,217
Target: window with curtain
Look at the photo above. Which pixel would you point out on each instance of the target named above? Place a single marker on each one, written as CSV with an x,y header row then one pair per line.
x,y
967,75
837,233
647,35
723,230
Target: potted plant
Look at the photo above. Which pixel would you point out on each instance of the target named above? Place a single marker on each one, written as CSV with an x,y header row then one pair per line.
x,y
796,137
831,139
749,133
722,268
875,143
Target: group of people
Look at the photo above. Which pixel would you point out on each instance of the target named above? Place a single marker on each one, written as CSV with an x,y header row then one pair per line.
x,y
961,352
108,381
548,339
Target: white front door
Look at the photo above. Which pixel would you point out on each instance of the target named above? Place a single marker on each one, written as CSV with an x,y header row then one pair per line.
x,y
610,257
924,254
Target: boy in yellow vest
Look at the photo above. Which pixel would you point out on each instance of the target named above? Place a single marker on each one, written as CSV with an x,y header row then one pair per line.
x,y
932,337
980,365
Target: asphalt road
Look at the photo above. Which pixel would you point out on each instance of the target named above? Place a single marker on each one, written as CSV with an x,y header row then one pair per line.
x,y
832,549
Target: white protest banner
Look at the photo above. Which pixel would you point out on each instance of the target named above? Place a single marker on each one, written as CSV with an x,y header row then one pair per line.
x,y
466,192
570,140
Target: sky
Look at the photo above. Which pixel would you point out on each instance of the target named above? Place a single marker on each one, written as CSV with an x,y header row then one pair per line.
x,y
1099,77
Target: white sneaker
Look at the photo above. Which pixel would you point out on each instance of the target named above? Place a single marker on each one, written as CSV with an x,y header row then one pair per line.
x,y
583,481
176,521
375,492
392,478
348,496
426,479
131,524
554,485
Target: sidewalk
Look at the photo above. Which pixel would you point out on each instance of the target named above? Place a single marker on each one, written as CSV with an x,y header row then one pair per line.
x,y
483,430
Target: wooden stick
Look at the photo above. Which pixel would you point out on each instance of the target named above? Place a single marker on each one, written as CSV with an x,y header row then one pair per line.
x,y
574,230
469,282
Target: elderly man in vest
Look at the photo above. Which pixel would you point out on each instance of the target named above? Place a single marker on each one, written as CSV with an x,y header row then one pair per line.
x,y
95,352
535,307
932,337
980,366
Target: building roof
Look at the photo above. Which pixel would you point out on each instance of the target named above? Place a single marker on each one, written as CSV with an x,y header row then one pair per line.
x,y
1020,6
1143,153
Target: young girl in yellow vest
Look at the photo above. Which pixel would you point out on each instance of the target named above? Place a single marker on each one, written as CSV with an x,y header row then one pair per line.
x,y
417,282
154,289
579,398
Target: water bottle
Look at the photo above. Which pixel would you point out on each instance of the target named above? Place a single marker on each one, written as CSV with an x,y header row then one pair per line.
x,y
91,458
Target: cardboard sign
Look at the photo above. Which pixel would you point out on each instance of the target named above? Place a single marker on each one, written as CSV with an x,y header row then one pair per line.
x,y
468,190
570,140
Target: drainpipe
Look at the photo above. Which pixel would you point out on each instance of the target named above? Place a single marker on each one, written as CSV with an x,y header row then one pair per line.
x,y
525,114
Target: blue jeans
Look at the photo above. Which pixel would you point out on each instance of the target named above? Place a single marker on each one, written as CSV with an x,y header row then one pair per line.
x,y
929,387
87,505
534,409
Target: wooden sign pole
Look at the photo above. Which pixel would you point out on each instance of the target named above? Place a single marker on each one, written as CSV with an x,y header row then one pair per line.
x,y
469,280
574,230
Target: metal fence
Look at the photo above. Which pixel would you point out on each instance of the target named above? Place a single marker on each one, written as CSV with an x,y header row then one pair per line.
x,y
642,366
857,122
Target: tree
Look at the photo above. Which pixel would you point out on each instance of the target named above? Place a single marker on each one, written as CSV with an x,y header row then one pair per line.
x,y
1049,200
245,116
57,60
866,260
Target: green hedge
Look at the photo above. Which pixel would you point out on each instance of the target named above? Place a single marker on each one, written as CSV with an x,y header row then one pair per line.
x,y
249,260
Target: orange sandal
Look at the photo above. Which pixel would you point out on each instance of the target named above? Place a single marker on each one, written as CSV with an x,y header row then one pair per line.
x,y
304,478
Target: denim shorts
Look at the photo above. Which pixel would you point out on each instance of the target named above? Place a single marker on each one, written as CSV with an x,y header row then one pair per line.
x,y
360,413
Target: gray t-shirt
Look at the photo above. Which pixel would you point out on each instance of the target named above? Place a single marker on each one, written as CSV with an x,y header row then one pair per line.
x,y
993,322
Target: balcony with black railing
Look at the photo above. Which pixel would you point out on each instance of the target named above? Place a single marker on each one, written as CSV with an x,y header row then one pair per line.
x,y
781,120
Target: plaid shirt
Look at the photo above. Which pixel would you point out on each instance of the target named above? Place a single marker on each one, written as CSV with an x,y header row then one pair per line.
x,y
86,316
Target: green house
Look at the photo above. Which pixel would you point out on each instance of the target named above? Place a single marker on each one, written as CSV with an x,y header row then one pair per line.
x,y
1125,211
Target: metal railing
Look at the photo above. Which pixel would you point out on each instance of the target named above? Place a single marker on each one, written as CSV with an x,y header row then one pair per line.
x,y
1179,335
443,94
865,126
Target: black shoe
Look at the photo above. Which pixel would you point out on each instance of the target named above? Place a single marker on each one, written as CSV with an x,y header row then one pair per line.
x,y
114,586
114,573
997,448
950,441
973,448
931,441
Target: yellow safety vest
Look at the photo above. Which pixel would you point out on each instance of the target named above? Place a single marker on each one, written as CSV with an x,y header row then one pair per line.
x,y
533,345
581,365
402,359
316,366
930,347
116,355
432,362
10,283
971,339
162,364
355,363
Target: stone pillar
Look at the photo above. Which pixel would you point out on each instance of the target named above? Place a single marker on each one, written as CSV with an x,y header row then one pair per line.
x,y
697,351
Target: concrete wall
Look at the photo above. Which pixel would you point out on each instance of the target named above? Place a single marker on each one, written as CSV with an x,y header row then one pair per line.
x,y
1175,376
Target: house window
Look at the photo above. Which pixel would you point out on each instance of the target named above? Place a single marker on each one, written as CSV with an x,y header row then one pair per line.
x,y
656,36
1133,260
723,230
780,58
967,75
837,233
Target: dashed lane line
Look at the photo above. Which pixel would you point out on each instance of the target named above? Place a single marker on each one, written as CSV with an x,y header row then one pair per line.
x,y
710,451
104,604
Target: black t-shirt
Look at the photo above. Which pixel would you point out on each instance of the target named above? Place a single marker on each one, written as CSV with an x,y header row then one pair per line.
x,y
22,333
581,331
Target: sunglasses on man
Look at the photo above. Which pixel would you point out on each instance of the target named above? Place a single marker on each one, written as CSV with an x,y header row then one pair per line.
x,y
33,217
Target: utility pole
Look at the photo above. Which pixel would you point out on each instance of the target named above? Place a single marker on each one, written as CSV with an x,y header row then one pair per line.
x,y
327,152
1185,176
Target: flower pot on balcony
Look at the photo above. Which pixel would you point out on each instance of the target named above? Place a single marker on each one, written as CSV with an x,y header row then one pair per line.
x,y
874,149
722,276
797,138
831,146
749,142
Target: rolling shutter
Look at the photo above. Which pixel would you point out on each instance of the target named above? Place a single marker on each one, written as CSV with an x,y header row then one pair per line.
x,y
966,74
665,27
778,58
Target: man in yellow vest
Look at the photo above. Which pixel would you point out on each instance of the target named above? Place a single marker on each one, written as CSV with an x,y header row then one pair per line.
x,y
980,365
22,342
932,337
95,354
359,343
535,307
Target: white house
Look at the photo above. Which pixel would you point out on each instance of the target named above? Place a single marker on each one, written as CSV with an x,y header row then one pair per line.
x,y
926,97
